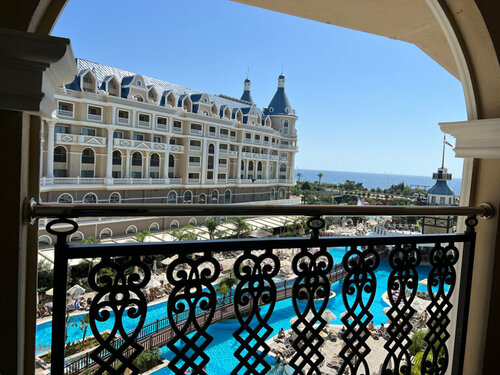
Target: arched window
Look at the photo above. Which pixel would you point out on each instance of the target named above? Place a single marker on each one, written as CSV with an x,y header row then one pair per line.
x,y
187,104
282,193
90,198
192,221
211,148
44,240
65,198
139,98
242,165
132,229
137,159
76,237
250,165
88,84
59,155
215,196
282,167
285,123
154,161
154,227
214,109
174,224
172,197
152,94
202,198
171,161
259,166
106,233
273,194
227,113
171,100
227,196
117,158
88,156
115,198
188,197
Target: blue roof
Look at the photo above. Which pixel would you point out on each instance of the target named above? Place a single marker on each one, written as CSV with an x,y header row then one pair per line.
x,y
440,188
102,72
246,96
280,105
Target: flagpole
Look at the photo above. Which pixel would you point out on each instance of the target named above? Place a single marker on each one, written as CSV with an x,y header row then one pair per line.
x,y
444,145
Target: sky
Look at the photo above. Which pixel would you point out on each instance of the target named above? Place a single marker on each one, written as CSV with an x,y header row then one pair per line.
x,y
365,103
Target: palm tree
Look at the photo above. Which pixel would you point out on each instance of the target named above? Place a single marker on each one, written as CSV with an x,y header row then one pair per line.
x,y
226,284
299,175
241,226
85,321
184,234
320,176
141,236
211,225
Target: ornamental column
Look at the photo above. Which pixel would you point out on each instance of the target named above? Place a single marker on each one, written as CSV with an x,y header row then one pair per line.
x,y
277,171
166,162
204,161
50,148
216,163
109,156
268,162
238,176
147,161
127,165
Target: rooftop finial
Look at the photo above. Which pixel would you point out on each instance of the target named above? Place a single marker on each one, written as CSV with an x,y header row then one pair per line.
x,y
444,144
248,72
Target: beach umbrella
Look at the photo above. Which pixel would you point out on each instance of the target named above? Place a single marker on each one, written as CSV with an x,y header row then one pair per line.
x,y
227,264
423,282
153,283
155,269
328,316
169,260
50,292
75,290
344,314
162,277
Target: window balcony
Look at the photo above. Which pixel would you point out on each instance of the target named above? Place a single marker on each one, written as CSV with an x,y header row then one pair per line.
x,y
212,134
196,131
144,124
375,271
224,136
82,140
94,117
194,164
193,181
177,129
194,148
65,113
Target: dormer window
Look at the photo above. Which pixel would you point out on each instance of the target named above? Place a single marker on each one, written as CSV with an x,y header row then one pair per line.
x,y
286,109
139,83
113,87
139,98
271,109
152,95
88,83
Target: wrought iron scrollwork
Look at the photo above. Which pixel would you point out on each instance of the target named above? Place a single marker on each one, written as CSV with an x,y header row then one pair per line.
x,y
194,297
360,282
256,286
436,356
310,295
118,296
402,286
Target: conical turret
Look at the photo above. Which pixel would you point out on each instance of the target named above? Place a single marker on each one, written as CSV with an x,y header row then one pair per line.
x,y
280,105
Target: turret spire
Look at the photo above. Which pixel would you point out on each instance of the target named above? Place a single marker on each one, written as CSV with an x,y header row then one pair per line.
x,y
247,96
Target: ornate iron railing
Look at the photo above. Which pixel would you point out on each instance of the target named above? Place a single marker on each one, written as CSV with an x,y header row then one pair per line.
x,y
194,298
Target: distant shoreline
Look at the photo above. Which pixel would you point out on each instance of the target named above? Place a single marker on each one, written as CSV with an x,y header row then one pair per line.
x,y
372,180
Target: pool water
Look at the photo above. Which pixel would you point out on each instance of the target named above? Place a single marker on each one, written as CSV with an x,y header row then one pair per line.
x,y
223,346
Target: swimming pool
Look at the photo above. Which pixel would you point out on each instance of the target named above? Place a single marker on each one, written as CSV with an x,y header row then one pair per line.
x,y
222,332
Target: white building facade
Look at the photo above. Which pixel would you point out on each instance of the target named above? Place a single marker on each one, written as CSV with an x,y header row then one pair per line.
x,y
120,137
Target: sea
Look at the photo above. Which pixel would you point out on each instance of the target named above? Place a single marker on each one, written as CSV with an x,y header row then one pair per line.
x,y
374,180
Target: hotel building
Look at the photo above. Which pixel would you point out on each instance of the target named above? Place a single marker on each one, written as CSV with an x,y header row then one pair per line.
x,y
118,136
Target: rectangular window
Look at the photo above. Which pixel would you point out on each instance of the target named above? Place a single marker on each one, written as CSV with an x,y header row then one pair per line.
x,y
117,158
212,131
194,145
210,175
248,136
61,129
116,174
143,120
94,113
154,174
285,131
283,154
284,142
172,141
65,109
59,172
223,162
196,129
123,117
118,135
85,173
194,159
138,137
194,176
157,139
87,131
161,123
224,134
136,174
177,126
221,176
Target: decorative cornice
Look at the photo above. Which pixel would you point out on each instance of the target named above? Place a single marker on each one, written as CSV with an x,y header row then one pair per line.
x,y
475,139
31,66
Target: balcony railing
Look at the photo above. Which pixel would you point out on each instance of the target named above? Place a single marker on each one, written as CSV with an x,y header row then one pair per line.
x,y
133,144
77,139
65,113
94,117
193,304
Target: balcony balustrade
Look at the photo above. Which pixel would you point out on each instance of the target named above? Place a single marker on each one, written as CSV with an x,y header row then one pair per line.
x,y
123,120
193,304
177,148
193,180
94,117
144,124
82,140
232,138
132,144
194,164
64,113
196,131
223,136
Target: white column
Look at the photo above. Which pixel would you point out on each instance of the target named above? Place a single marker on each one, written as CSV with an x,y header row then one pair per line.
x,y
147,161
291,162
132,113
127,165
277,172
216,163
50,149
204,161
268,162
238,176
113,115
109,159
165,163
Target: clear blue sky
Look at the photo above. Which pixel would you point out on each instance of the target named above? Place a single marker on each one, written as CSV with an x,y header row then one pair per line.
x,y
365,103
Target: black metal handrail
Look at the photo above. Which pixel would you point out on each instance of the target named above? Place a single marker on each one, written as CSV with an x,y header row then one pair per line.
x,y
36,210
